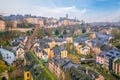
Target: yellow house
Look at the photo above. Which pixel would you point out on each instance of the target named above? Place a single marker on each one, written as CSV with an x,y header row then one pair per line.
x,y
79,48
64,53
51,44
27,75
47,50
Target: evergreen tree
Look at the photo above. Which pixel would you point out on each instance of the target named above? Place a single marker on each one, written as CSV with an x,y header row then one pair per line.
x,y
65,32
57,32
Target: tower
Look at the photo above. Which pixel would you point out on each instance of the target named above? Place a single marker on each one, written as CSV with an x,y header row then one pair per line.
x,y
67,16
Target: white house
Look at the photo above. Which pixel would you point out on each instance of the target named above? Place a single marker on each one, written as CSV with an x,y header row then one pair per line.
x,y
20,53
7,56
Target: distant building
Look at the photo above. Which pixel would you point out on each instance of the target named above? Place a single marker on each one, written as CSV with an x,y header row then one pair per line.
x,y
14,23
40,22
2,24
32,20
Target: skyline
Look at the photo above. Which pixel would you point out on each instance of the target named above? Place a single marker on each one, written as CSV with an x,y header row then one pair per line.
x,y
88,10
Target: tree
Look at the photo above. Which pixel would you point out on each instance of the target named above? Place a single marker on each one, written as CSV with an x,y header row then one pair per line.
x,y
65,32
83,30
57,32
116,33
41,33
47,32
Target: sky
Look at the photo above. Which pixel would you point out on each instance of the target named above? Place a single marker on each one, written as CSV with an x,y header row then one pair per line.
x,y
87,10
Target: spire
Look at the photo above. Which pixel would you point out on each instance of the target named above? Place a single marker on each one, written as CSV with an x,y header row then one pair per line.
x,y
66,15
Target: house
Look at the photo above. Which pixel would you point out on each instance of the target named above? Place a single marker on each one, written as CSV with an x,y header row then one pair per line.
x,y
89,43
63,52
59,52
100,57
110,56
2,23
106,47
82,49
38,51
55,66
68,39
79,48
104,36
27,75
36,44
60,41
96,50
116,66
50,42
22,40
7,56
20,53
41,54
107,58
85,50
80,40
44,57
46,48
56,52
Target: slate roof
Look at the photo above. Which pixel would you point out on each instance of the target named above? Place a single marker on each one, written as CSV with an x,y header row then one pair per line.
x,y
38,49
102,54
81,40
43,46
59,40
56,51
58,61
8,56
47,40
62,48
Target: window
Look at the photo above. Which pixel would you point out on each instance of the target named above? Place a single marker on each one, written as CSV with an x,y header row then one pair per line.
x,y
27,79
27,74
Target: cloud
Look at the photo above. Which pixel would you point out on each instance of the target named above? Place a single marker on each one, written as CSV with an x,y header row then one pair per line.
x,y
55,11
83,11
